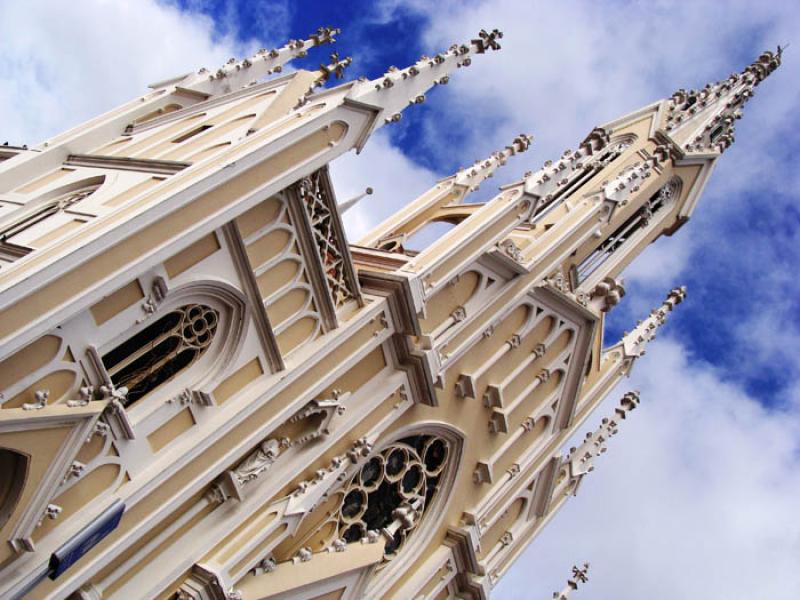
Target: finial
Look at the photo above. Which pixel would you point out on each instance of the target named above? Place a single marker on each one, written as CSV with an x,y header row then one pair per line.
x,y
398,87
335,68
634,342
348,204
473,176
487,40
579,575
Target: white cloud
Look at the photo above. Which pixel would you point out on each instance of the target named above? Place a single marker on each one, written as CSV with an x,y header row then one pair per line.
x,y
65,62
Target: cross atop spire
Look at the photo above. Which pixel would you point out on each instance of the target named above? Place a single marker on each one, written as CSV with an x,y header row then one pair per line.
x,y
703,120
236,74
473,176
398,88
579,575
634,343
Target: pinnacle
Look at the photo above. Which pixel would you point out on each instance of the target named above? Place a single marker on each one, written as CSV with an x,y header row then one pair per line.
x,y
635,341
481,170
398,88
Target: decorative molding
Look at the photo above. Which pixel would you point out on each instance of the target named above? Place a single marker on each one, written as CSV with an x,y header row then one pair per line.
x,y
121,163
256,305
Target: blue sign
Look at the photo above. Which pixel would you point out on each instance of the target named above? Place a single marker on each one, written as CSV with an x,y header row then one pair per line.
x,y
66,556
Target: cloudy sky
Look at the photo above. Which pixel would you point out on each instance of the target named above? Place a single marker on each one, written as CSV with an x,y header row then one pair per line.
x,y
698,496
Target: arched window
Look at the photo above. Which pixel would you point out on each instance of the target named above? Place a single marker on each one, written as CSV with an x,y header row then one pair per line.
x,y
162,350
14,469
631,228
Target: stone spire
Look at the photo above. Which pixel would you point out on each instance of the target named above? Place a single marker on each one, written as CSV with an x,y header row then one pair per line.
x,y
236,74
703,120
634,342
472,177
398,88
581,459
578,576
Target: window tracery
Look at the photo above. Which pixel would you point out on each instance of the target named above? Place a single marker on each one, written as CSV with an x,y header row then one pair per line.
x,y
393,490
328,238
162,350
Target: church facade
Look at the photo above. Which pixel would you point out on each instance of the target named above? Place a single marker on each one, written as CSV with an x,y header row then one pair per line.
x,y
207,391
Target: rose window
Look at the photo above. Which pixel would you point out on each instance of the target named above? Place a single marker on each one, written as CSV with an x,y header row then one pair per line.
x,y
392,491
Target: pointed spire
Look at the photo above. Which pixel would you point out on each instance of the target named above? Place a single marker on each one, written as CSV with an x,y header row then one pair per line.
x,y
703,120
581,459
472,177
634,342
236,74
348,204
400,87
578,576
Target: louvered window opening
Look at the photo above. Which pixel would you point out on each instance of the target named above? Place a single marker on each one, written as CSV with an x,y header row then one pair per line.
x,y
579,177
624,232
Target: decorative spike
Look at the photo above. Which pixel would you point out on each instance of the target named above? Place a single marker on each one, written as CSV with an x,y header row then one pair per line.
x,y
483,169
689,114
392,91
581,459
348,204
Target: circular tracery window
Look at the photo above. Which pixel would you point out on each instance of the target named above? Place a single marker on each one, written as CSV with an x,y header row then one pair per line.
x,y
392,491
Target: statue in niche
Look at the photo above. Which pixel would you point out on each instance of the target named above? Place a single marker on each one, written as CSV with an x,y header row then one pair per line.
x,y
260,460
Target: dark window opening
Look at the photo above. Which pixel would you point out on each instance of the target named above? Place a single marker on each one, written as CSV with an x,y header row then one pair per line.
x,y
162,350
393,490
191,133
14,467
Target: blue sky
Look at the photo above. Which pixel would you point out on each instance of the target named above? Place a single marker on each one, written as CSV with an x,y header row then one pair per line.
x,y
699,490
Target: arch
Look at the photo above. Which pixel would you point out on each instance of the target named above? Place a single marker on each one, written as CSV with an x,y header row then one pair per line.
x,y
14,467
198,329
424,236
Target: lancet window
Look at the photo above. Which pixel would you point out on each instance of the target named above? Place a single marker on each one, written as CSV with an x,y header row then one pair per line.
x,y
393,490
634,224
162,350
